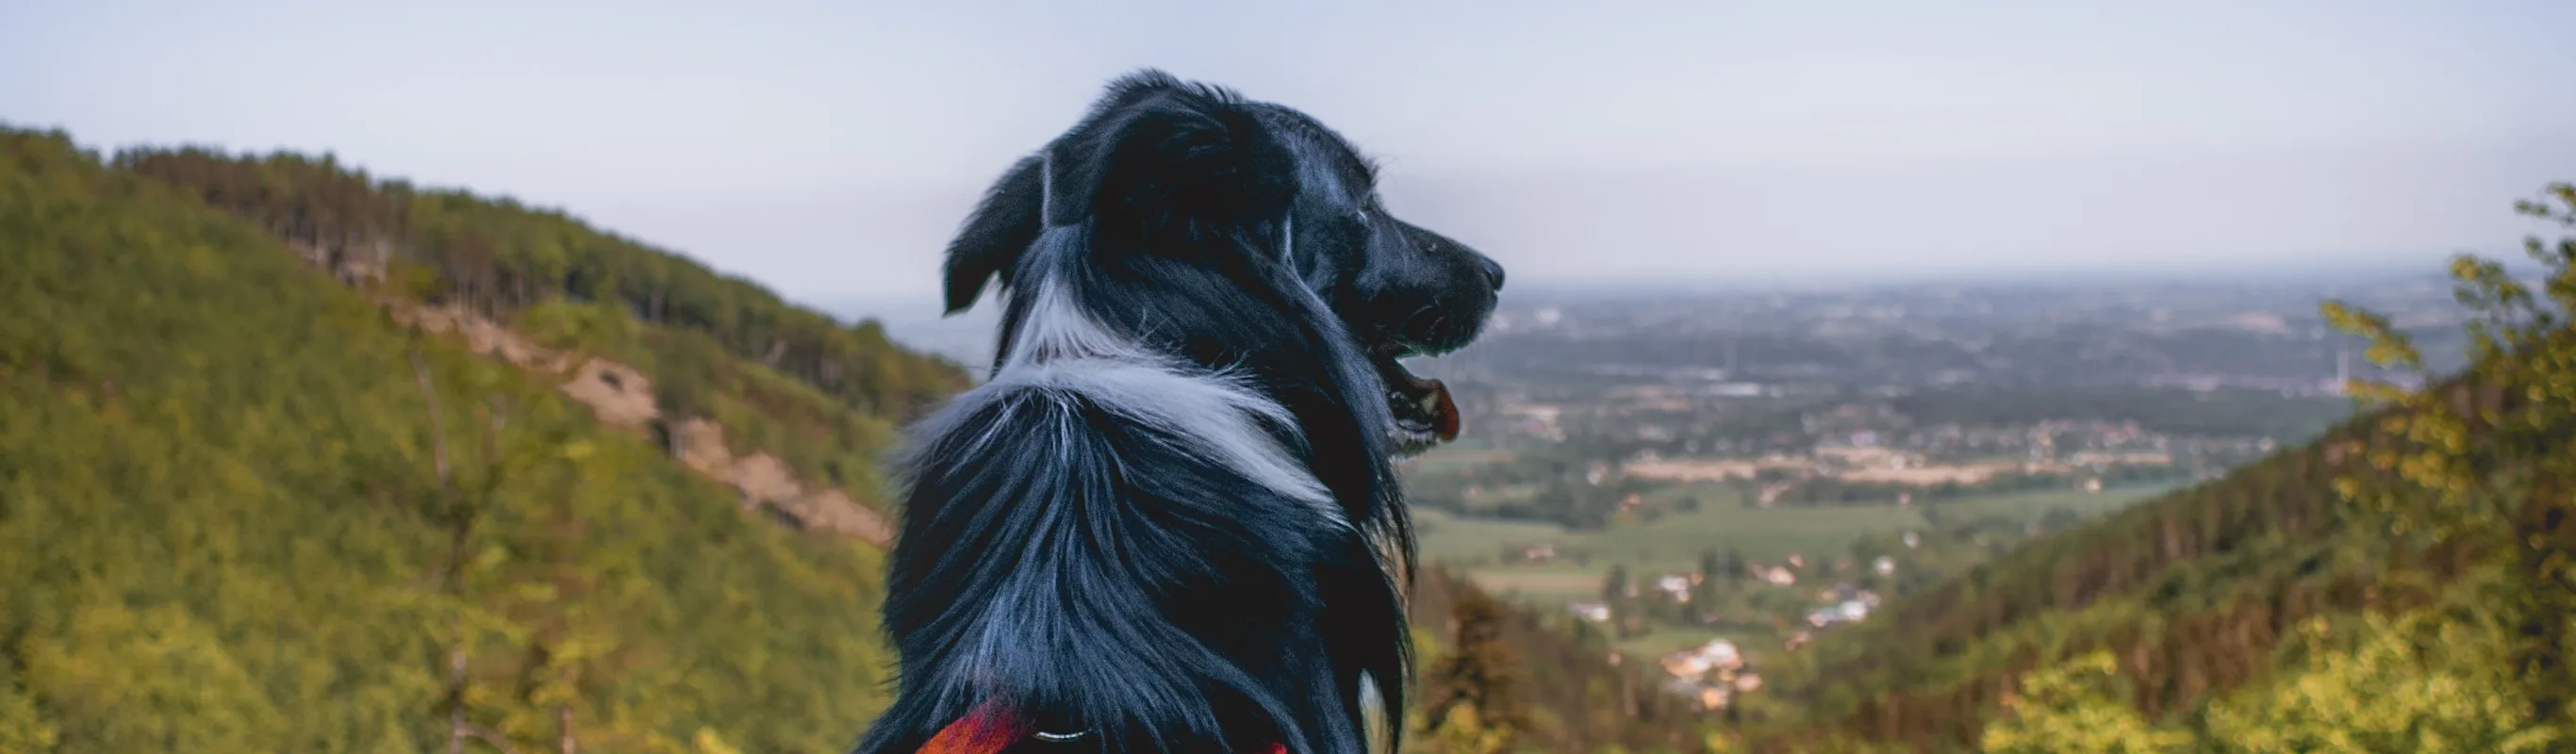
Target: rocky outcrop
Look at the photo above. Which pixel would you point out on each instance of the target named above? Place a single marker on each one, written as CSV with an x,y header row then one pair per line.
x,y
622,396
765,480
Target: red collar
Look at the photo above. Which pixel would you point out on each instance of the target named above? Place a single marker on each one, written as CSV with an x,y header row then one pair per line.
x,y
988,731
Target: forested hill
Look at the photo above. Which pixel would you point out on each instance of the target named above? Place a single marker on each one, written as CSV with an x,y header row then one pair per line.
x,y
2406,583
241,510
289,461
787,404
498,256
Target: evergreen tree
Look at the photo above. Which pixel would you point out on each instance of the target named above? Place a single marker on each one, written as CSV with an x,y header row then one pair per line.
x,y
1480,672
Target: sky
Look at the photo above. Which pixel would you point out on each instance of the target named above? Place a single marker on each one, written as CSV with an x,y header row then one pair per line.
x,y
829,150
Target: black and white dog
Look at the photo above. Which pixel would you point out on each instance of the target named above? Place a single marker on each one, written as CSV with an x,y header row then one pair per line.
x,y
1169,522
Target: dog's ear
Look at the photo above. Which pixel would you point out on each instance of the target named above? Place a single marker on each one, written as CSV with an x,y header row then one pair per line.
x,y
1158,150
1001,228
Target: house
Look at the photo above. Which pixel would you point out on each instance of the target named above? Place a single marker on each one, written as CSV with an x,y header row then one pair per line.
x,y
1597,612
1676,585
1538,553
1722,654
1846,612
1884,565
1718,655
1778,576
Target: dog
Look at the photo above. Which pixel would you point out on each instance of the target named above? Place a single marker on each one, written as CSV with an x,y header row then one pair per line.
x,y
1169,520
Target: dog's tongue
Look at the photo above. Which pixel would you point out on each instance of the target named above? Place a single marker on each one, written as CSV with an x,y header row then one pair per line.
x,y
1447,410
1433,398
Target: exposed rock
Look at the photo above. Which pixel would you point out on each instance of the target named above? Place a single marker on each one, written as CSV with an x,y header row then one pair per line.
x,y
622,396
482,336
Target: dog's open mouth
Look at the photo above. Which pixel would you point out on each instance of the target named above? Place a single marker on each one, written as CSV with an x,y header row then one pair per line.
x,y
1424,414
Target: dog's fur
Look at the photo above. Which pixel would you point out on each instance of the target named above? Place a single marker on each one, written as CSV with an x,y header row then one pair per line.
x,y
1169,522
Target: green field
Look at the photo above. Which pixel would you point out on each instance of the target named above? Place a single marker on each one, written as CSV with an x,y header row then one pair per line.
x,y
1675,541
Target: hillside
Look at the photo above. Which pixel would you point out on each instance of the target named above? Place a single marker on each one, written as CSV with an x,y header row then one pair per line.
x,y
822,397
242,510
286,470
1542,675
2397,585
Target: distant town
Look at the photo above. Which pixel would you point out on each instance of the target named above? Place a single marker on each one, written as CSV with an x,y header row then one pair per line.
x,y
1710,481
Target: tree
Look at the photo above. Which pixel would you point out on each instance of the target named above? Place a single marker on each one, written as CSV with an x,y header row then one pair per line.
x,y
1614,586
22,728
2490,445
2431,682
1480,671
2074,708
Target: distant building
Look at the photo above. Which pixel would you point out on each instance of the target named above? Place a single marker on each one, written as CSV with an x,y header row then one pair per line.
x,y
1846,612
1676,585
1885,565
1722,654
1596,612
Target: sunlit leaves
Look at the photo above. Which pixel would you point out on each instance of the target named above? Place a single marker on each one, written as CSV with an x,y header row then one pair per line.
x,y
219,530
2075,708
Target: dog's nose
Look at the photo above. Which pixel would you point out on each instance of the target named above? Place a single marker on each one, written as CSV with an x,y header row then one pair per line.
x,y
1493,271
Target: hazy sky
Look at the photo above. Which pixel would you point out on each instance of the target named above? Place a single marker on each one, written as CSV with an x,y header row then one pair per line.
x,y
829,149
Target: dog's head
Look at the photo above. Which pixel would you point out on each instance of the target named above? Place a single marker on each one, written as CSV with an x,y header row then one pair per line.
x,y
1205,188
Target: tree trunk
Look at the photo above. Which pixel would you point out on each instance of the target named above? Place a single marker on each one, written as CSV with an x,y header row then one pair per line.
x,y
570,743
437,430
456,727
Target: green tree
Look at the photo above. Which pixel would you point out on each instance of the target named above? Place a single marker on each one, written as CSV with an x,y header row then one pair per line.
x,y
2492,443
1462,731
2074,708
1480,671
2432,682
22,729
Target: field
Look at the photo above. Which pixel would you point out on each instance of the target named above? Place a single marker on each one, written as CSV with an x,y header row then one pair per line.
x,y
1675,541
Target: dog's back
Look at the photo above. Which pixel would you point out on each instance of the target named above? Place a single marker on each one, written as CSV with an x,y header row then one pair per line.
x,y
1107,517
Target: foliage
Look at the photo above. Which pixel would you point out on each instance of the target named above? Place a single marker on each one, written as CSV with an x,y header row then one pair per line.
x,y
1479,670
2437,680
2074,708
719,334
1540,683
239,511
2429,682
2490,446
1463,731
2193,593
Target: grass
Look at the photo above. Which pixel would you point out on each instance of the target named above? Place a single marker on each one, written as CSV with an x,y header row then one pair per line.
x,y
2029,506
1675,541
